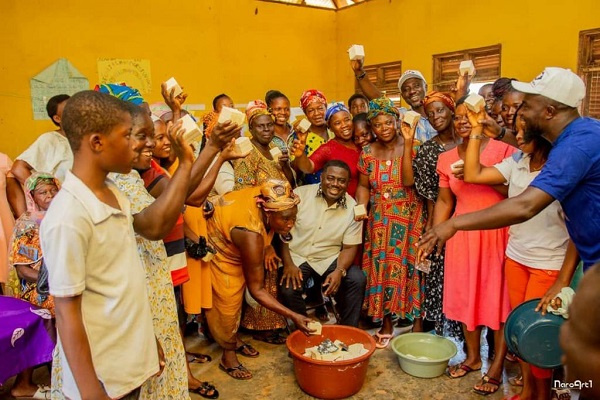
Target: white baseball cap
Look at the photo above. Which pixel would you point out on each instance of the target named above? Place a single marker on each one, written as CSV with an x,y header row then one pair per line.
x,y
558,84
408,74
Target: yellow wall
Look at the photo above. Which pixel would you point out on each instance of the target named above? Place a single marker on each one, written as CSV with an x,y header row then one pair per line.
x,y
533,33
214,46
210,46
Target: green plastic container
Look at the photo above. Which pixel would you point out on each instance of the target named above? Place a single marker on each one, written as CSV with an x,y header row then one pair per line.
x,y
533,336
422,354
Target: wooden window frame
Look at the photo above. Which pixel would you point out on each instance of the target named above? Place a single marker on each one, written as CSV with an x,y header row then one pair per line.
x,y
376,73
588,68
444,81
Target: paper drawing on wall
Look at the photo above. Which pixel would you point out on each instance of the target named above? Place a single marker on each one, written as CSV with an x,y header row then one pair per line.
x,y
133,72
59,78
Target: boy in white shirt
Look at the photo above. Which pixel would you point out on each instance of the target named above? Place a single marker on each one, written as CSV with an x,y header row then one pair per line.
x,y
106,343
50,152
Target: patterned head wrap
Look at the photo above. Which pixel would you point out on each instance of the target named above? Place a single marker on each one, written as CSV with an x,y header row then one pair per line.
x,y
121,91
32,182
334,109
381,105
209,121
276,195
312,95
441,97
256,108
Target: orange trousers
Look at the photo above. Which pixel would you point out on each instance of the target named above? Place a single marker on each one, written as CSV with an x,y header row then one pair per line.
x,y
526,283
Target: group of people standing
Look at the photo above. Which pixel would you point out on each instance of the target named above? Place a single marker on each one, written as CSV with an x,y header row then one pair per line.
x,y
261,234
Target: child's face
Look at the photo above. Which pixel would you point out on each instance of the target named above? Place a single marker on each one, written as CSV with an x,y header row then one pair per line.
x,y
43,195
362,134
118,153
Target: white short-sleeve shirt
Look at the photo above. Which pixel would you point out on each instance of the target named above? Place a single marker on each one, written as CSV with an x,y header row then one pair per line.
x,y
49,153
90,250
321,230
540,242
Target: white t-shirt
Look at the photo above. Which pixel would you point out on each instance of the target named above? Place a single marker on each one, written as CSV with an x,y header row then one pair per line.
x,y
90,250
321,230
49,153
542,241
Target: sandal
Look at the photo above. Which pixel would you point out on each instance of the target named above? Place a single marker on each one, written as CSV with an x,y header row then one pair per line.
x,y
460,366
271,338
488,380
516,380
322,314
42,392
382,340
232,370
204,389
198,358
247,350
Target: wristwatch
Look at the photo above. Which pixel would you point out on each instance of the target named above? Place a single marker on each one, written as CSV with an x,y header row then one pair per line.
x,y
343,271
501,135
361,76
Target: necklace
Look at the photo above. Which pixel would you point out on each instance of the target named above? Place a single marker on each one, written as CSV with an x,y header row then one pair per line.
x,y
444,144
534,169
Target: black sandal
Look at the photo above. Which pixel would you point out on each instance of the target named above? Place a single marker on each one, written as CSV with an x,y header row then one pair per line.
x,y
271,338
245,349
204,389
230,371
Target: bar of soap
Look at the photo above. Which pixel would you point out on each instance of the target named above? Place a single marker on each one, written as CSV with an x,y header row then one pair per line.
x,y
466,66
192,130
356,349
233,115
455,165
209,256
275,153
243,145
411,118
172,84
356,52
316,326
304,125
475,102
360,211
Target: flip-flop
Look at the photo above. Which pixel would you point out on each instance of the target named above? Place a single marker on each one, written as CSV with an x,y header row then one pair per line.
x,y
383,340
43,392
199,358
272,338
516,380
462,366
488,380
230,371
249,348
204,389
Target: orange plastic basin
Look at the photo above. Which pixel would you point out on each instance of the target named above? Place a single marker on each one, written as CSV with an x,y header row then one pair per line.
x,y
330,379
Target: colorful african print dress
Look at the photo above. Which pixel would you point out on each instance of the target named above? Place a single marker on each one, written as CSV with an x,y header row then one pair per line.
x,y
253,170
394,286
172,383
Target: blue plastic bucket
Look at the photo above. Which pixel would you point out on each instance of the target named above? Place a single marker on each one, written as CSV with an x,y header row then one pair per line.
x,y
532,336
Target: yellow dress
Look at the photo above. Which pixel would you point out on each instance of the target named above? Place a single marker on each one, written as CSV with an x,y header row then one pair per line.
x,y
236,209
250,171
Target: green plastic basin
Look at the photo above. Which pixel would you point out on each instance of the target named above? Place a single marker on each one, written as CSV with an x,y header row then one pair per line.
x,y
422,354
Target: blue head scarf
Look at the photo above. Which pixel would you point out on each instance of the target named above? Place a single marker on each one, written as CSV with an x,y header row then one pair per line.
x,y
121,91
334,109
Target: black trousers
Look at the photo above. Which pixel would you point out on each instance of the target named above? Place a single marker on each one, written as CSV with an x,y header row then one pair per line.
x,y
349,297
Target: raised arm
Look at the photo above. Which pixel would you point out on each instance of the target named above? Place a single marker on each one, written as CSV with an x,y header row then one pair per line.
x,y
157,220
408,133
21,170
365,84
301,161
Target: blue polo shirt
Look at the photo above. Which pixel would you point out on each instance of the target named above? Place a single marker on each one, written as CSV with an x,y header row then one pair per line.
x,y
572,176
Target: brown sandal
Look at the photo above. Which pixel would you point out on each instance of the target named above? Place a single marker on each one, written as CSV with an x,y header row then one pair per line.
x,y
232,370
247,350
